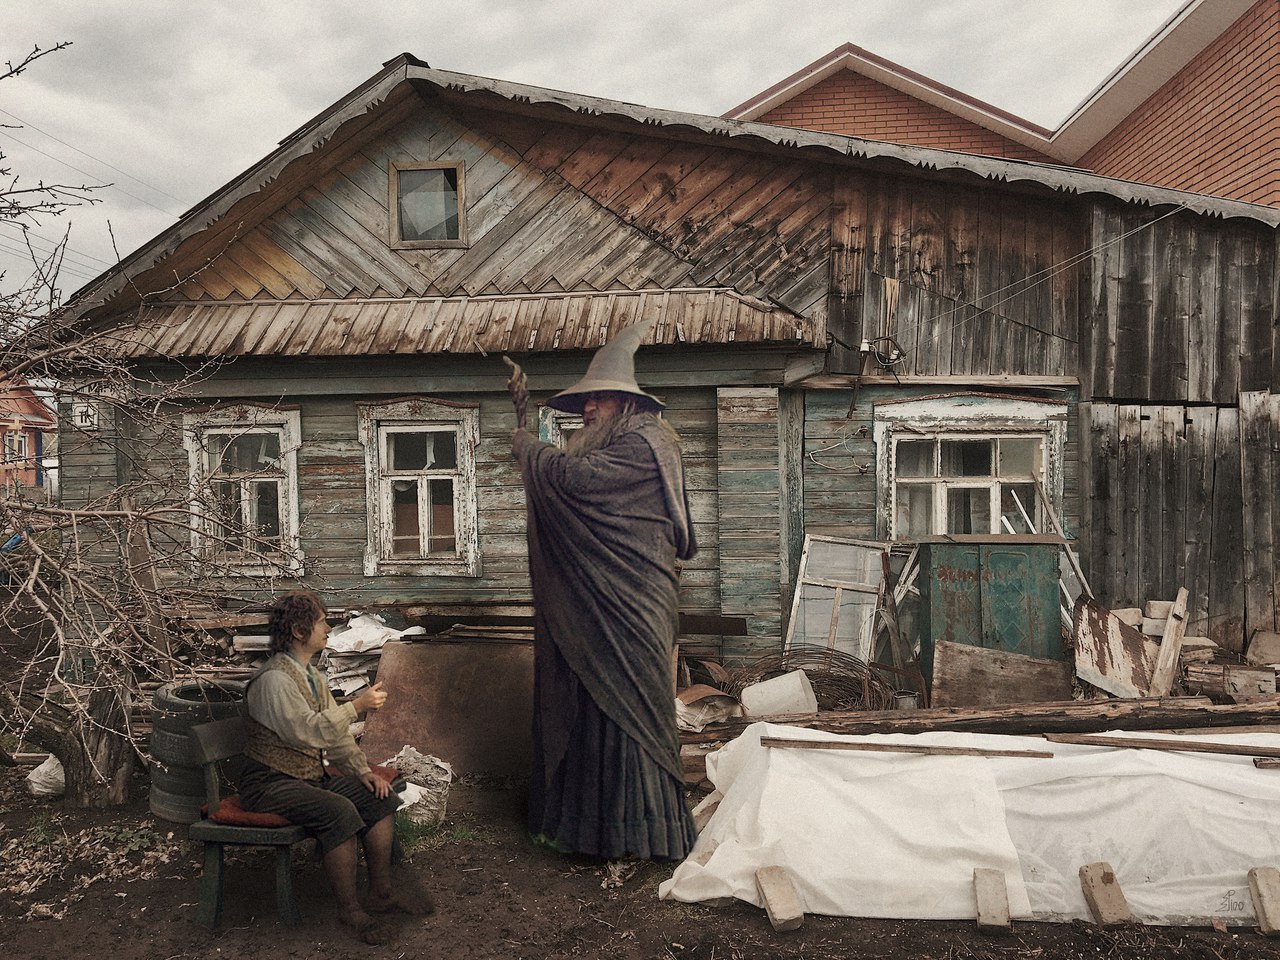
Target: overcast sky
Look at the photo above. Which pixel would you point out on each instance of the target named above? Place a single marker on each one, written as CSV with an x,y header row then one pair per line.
x,y
168,100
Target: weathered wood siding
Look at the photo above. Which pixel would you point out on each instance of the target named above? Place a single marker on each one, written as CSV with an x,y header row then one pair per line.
x,y
840,481
1180,308
333,504
1182,497
981,281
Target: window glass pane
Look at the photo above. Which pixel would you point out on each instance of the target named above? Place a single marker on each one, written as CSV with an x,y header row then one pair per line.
x,y
265,504
915,458
243,452
406,532
1019,457
429,204
228,518
966,458
411,451
441,537
914,510
968,510
1018,508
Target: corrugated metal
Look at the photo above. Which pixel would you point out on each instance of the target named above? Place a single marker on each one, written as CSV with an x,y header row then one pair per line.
x,y
514,324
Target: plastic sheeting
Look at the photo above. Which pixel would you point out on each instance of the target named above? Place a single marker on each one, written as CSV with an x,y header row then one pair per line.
x,y
898,835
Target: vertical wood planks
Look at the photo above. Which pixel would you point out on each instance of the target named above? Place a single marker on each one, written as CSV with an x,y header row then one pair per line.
x,y
1226,587
1258,493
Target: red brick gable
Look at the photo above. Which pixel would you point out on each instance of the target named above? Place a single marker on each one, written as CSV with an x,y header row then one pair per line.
x,y
853,105
1214,128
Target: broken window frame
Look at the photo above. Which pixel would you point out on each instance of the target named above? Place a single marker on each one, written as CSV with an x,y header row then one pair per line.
x,y
397,169
378,421
209,531
969,416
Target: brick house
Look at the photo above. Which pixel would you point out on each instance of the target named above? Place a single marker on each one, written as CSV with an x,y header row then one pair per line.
x,y
1194,108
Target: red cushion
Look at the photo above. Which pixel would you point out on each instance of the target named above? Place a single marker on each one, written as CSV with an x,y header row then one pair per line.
x,y
231,813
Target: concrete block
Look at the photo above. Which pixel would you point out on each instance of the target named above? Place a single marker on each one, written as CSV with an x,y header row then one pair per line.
x,y
1153,627
781,902
706,809
1264,887
1157,609
992,895
1104,896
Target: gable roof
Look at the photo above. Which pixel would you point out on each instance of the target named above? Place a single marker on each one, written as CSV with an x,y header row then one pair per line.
x,y
1175,44
403,85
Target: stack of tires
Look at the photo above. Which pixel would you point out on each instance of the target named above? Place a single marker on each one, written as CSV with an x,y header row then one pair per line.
x,y
177,781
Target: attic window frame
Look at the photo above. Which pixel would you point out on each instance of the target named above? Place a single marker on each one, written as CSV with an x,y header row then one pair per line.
x,y
420,414
397,240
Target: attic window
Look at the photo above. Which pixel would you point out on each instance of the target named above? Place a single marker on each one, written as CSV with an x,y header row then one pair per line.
x,y
427,201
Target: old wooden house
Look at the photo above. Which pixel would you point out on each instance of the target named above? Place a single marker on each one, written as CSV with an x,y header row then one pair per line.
x,y
853,338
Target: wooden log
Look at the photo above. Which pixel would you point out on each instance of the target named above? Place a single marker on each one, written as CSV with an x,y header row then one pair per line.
x,y
929,750
706,809
1178,744
992,895
1170,646
1149,713
1105,898
1231,682
1264,888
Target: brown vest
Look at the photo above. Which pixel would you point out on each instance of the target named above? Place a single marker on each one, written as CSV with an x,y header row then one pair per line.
x,y
266,746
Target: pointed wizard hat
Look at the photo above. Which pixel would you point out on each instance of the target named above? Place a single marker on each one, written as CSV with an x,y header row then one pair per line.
x,y
613,368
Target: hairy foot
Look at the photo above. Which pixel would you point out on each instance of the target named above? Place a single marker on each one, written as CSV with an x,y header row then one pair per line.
x,y
415,903
366,929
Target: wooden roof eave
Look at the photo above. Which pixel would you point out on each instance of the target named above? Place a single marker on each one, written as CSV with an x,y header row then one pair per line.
x,y
827,147
121,280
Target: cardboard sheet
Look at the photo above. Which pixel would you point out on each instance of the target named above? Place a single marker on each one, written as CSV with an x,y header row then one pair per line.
x,y
899,835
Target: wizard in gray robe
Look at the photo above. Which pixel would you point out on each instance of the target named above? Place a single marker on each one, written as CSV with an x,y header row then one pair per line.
x,y
608,523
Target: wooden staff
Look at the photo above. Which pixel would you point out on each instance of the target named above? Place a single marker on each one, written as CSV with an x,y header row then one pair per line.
x,y
518,387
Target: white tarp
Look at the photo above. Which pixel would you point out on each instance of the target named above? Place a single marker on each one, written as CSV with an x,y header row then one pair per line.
x,y
894,835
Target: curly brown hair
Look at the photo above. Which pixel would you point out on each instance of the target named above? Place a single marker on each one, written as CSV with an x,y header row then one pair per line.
x,y
293,613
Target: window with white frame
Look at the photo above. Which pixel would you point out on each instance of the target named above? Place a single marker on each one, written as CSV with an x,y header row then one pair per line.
x,y
421,482
243,473
968,464
15,446
556,426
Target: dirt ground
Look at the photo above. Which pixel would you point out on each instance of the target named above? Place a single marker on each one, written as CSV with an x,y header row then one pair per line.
x,y
121,885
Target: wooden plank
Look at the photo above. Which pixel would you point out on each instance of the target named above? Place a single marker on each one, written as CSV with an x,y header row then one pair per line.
x,y
1103,321
1130,528
1226,587
922,749
1110,654
1264,890
1151,515
1100,488
1258,491
781,902
1230,293
1178,745
1103,894
1170,646
965,675
1202,302
992,896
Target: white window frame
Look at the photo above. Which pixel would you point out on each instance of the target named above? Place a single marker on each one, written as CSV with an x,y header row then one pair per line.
x,y
249,418
554,425
970,416
376,419
16,445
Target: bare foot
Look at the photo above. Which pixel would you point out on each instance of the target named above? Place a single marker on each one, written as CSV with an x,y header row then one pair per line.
x,y
366,929
415,903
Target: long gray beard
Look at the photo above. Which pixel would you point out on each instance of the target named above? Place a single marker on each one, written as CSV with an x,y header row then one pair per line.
x,y
604,432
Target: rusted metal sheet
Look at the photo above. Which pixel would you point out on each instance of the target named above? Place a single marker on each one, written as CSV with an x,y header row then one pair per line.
x,y
1110,654
517,324
468,703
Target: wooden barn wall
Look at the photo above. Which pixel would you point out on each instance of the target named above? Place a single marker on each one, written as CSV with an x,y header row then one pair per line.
x,y
1180,496
1180,308
332,508
840,484
970,281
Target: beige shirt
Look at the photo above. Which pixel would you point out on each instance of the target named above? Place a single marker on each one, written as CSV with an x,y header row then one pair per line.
x,y
275,702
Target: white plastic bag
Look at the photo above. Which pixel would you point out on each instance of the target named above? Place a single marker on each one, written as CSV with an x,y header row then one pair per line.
x,y
48,779
431,776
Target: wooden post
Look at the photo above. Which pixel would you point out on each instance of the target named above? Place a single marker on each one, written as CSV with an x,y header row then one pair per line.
x,y
1170,647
